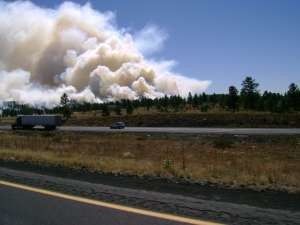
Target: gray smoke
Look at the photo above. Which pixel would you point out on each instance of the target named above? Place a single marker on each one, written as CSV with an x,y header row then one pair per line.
x,y
80,51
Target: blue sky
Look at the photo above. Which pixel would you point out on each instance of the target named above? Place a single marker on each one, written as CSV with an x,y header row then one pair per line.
x,y
220,40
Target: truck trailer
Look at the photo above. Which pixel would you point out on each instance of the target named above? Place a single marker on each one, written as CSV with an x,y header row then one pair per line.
x,y
49,122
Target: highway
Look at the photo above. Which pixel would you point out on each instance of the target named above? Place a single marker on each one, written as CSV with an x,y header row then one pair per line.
x,y
24,205
30,198
183,130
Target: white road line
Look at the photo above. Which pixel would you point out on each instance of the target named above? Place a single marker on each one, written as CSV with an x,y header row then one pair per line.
x,y
110,205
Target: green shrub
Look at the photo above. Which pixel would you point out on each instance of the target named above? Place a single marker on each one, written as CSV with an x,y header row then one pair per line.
x,y
223,142
168,164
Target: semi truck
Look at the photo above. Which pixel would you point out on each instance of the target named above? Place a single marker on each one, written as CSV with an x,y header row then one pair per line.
x,y
49,122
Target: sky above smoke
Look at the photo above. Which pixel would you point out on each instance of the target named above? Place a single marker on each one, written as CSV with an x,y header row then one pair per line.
x,y
77,50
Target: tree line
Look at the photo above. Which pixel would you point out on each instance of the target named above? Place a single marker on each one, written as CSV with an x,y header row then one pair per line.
x,y
248,98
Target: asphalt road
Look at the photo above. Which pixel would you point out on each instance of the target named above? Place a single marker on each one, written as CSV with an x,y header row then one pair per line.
x,y
31,204
186,130
23,207
183,130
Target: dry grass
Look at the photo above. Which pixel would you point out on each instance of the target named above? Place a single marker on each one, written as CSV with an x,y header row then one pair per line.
x,y
190,119
255,162
7,120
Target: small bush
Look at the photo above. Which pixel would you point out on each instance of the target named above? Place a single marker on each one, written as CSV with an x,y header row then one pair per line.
x,y
168,164
223,142
204,108
57,138
47,134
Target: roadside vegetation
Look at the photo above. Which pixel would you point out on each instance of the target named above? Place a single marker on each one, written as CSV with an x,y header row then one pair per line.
x,y
255,162
189,119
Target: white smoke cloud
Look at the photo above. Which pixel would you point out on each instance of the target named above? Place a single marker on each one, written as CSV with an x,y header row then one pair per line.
x,y
150,39
80,51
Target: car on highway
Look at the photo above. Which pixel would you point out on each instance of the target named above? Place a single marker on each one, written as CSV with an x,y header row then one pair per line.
x,y
118,125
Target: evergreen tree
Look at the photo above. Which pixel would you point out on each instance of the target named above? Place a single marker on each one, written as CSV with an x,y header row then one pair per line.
x,y
105,110
129,108
232,100
293,97
65,106
249,93
213,99
118,109
190,99
64,99
148,104
195,101
204,98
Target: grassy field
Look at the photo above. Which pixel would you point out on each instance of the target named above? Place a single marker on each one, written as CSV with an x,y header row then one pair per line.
x,y
235,161
183,119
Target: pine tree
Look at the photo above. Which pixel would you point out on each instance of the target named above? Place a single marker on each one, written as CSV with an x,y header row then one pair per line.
x,y
293,97
232,100
65,106
249,93
129,108
190,99
105,110
118,109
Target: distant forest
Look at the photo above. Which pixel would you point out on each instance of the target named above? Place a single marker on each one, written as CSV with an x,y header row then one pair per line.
x,y
248,98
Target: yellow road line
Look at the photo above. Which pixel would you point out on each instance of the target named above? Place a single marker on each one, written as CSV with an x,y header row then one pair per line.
x,y
110,205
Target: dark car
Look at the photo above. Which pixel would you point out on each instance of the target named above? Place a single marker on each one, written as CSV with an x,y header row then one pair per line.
x,y
118,125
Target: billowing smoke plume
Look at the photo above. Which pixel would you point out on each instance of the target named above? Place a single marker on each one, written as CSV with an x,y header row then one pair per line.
x,y
80,51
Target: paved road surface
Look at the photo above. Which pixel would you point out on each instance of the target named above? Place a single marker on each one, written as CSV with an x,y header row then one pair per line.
x,y
30,207
240,131
23,206
185,130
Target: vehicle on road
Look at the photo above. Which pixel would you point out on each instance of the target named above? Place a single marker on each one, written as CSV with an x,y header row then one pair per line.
x,y
27,122
118,125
